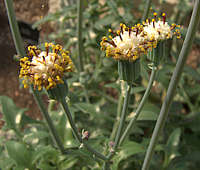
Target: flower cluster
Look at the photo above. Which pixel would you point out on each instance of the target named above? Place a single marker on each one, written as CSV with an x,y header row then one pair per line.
x,y
157,30
45,68
129,43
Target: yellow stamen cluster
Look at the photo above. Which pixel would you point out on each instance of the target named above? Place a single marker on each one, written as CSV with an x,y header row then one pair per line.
x,y
159,30
45,68
129,43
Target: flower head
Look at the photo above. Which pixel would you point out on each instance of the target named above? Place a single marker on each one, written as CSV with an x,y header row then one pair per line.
x,y
126,43
45,68
156,30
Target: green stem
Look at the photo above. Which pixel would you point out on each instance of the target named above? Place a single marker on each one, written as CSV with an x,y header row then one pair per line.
x,y
76,133
123,116
86,93
20,50
106,165
146,11
80,44
45,114
116,124
14,28
122,121
109,98
139,108
79,29
173,83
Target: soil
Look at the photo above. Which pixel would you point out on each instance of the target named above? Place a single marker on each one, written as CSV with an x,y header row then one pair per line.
x,y
30,11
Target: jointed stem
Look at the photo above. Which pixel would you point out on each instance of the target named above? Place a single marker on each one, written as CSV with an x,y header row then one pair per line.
x,y
137,113
173,83
76,133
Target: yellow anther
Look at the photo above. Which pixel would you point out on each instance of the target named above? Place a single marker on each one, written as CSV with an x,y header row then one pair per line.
x,y
104,38
118,32
39,87
36,77
25,86
50,79
110,36
58,78
46,44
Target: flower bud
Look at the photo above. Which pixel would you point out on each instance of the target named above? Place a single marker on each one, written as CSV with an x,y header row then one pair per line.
x,y
157,54
129,71
59,92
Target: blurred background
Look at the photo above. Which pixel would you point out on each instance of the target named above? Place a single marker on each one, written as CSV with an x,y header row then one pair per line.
x,y
28,12
56,20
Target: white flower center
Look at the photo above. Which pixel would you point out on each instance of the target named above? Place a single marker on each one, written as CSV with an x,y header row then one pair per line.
x,y
43,63
158,30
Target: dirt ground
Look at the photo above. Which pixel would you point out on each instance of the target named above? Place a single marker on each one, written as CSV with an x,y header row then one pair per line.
x,y
30,11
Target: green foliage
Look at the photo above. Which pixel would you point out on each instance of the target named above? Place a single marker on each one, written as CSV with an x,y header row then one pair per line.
x,y
19,153
28,143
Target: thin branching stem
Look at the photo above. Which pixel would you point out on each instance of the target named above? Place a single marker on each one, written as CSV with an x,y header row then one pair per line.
x,y
116,124
122,119
120,128
146,10
173,83
76,133
139,108
106,165
49,121
20,50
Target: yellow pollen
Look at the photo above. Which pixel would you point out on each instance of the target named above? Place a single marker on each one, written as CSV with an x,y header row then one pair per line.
x,y
45,68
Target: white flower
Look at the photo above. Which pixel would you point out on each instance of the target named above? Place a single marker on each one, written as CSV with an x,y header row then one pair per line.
x,y
158,31
127,43
45,68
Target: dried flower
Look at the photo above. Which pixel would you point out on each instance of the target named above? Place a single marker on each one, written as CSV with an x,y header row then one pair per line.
x,y
85,134
127,43
45,68
111,145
